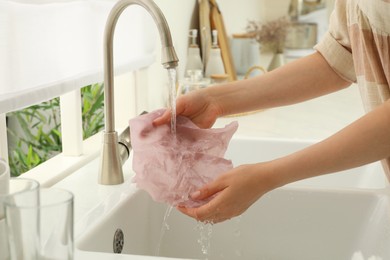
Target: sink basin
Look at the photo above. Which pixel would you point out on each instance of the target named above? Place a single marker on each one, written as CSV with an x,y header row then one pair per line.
x,y
287,223
244,150
322,218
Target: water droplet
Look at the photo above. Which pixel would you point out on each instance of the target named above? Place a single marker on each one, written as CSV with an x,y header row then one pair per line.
x,y
205,230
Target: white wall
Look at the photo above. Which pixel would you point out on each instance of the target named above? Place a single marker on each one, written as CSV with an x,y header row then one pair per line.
x,y
238,13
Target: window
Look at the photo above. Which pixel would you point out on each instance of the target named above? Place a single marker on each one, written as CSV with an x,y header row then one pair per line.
x,y
34,133
50,49
33,136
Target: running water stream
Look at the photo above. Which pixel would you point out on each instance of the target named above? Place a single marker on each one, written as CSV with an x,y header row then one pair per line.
x,y
164,228
172,84
204,229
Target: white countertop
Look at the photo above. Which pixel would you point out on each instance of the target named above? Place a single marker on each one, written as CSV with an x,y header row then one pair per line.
x,y
315,119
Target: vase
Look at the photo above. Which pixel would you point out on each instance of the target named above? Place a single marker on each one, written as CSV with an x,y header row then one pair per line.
x,y
278,60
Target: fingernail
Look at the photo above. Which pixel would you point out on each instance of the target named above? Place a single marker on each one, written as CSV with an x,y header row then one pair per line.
x,y
195,194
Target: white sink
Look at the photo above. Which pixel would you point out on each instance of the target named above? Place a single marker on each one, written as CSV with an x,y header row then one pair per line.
x,y
286,224
330,217
244,150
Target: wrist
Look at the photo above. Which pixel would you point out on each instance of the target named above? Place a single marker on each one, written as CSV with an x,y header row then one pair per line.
x,y
268,176
217,99
227,97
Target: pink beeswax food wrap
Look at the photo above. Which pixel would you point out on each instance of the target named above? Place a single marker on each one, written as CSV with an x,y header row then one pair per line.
x,y
170,168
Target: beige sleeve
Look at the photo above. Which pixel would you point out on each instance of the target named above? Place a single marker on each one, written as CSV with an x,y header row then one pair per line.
x,y
335,46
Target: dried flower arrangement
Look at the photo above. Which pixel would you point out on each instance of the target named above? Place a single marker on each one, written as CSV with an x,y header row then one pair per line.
x,y
270,35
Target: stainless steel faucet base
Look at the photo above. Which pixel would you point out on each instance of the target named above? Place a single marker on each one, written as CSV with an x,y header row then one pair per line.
x,y
111,171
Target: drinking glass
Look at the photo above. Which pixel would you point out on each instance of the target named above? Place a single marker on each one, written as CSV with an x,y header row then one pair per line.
x,y
41,231
18,189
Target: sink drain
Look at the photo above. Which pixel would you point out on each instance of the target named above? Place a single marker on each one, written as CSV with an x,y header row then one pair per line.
x,y
118,241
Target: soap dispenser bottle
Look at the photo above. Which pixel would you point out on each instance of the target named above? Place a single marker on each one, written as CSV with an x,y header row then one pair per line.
x,y
194,62
215,65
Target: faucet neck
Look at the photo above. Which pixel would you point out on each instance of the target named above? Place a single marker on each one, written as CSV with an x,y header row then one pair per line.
x,y
169,57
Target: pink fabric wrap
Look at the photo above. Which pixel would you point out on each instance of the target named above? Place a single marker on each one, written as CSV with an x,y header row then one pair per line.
x,y
170,168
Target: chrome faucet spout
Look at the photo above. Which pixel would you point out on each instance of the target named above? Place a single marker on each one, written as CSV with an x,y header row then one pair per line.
x,y
110,171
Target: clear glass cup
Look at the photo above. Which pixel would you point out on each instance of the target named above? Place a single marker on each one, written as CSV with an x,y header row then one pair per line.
x,y
18,189
41,231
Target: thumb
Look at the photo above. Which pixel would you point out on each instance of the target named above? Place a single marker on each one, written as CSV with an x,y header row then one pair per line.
x,y
165,118
207,191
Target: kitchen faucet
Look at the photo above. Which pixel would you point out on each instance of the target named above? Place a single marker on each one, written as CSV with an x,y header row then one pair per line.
x,y
116,149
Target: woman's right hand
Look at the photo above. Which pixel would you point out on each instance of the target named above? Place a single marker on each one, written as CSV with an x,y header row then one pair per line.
x,y
199,106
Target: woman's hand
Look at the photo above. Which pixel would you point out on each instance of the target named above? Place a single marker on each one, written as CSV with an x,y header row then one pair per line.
x,y
198,106
237,190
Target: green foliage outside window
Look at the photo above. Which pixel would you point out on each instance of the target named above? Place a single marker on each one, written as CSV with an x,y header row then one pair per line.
x,y
39,135
93,113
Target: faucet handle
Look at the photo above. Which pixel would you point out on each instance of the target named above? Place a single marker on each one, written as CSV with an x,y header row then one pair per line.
x,y
124,143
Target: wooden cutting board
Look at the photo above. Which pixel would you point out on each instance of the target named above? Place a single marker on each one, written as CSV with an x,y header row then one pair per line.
x,y
204,29
217,23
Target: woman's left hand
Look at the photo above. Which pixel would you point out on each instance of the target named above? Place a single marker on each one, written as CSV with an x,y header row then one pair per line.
x,y
237,190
